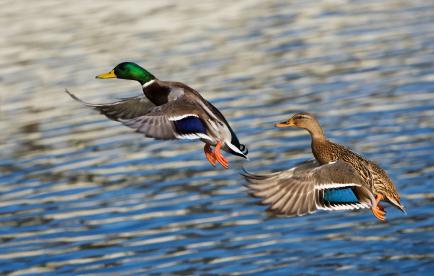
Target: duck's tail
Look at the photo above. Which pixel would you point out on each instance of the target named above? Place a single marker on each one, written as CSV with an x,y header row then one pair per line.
x,y
239,150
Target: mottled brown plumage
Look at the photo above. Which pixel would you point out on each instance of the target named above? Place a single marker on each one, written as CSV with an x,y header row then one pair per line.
x,y
338,179
325,151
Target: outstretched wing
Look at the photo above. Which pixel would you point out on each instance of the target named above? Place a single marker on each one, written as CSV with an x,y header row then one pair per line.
x,y
177,119
124,109
308,187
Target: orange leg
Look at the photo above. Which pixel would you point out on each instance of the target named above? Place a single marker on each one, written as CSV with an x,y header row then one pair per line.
x,y
210,156
379,211
219,157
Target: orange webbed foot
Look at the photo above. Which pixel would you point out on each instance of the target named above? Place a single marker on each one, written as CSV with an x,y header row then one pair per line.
x,y
379,214
210,156
219,157
379,211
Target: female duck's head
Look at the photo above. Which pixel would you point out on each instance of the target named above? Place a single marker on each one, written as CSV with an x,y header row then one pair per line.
x,y
306,121
128,71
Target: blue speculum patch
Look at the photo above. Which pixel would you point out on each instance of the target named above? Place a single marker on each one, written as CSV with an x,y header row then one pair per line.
x,y
190,125
340,196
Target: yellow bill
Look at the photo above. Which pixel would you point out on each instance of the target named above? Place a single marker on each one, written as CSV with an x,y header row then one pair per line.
x,y
109,75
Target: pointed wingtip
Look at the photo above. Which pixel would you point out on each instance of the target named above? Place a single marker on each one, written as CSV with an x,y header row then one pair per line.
x,y
73,96
69,93
244,172
78,99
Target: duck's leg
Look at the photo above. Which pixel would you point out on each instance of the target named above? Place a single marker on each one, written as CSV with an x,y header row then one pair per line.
x,y
219,157
379,211
210,156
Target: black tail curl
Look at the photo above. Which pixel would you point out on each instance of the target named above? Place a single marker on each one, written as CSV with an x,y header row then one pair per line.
x,y
243,149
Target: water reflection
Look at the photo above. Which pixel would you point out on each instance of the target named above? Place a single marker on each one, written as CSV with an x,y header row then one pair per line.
x,y
81,194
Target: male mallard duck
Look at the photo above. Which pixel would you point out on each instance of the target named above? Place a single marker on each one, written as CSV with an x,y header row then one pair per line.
x,y
338,179
170,110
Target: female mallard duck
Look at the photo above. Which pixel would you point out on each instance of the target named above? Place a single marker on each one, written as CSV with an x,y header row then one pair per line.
x,y
338,179
171,110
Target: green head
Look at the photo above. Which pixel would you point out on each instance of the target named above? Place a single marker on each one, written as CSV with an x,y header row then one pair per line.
x,y
128,71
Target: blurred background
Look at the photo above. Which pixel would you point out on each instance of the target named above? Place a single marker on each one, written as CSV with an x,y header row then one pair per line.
x,y
82,194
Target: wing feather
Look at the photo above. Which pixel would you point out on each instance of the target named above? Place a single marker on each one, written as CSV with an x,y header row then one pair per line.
x,y
127,108
301,190
145,117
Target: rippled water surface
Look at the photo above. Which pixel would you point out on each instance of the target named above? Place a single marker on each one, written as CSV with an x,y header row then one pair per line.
x,y
82,194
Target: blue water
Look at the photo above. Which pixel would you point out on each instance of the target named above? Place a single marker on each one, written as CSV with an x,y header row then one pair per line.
x,y
80,194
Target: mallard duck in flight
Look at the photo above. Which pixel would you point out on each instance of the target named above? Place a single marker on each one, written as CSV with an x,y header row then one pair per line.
x,y
170,110
338,179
